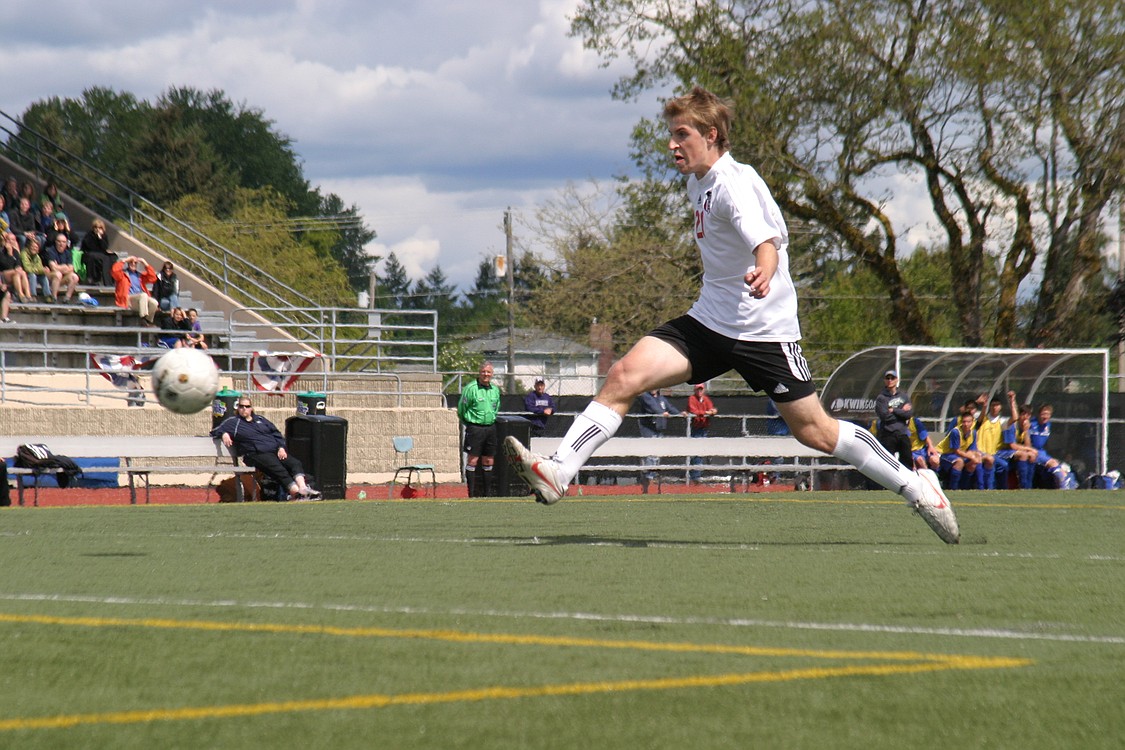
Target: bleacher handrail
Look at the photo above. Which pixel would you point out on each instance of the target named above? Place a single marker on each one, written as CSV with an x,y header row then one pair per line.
x,y
122,202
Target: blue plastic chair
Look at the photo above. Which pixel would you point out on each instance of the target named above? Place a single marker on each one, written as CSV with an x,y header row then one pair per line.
x,y
403,445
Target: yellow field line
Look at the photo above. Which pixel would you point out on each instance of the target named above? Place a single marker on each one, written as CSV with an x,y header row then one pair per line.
x,y
919,663
455,636
484,694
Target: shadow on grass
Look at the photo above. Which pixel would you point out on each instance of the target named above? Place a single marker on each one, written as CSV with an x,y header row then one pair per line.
x,y
611,541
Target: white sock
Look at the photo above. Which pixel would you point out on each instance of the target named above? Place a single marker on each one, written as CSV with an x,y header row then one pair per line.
x,y
590,429
860,449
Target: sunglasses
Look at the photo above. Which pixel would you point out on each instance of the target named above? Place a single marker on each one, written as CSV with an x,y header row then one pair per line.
x,y
245,406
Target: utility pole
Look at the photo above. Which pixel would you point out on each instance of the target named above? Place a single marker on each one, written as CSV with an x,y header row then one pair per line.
x,y
510,381
1120,282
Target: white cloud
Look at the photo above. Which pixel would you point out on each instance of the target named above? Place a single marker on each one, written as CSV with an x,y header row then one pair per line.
x,y
430,117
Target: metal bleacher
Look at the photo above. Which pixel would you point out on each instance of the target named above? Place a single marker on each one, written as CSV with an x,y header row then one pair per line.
x,y
243,310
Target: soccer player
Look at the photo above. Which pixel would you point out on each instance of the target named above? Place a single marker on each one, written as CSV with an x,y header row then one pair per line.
x,y
922,448
1039,431
960,454
1017,450
990,441
745,319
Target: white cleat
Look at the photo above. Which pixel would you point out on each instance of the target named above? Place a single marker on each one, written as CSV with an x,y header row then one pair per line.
x,y
540,473
935,509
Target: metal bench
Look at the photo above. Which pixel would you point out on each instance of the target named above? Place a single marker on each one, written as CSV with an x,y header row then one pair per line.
x,y
135,454
744,456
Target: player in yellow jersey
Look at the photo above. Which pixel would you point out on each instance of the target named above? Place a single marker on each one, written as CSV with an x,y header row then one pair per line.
x,y
926,455
963,457
990,440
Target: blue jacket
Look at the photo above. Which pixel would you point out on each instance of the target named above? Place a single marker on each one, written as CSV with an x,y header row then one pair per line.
x,y
651,405
259,435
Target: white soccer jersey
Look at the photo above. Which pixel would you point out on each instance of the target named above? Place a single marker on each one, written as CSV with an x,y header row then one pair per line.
x,y
734,213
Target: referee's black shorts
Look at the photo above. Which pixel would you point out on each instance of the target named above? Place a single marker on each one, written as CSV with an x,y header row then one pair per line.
x,y
480,439
776,368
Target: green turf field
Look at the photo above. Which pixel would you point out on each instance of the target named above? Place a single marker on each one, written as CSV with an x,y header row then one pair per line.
x,y
776,620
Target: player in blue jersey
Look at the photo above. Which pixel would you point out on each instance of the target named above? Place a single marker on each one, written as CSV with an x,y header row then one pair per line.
x,y
963,456
1039,431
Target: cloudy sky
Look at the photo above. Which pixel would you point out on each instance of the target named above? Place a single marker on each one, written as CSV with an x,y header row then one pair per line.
x,y
432,117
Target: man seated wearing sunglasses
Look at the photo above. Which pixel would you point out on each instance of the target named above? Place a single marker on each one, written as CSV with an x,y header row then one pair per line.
x,y
260,444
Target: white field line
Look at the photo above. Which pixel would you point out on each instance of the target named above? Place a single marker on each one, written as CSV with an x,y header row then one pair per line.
x,y
593,541
735,622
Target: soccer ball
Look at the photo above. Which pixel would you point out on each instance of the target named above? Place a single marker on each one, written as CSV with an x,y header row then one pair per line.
x,y
185,380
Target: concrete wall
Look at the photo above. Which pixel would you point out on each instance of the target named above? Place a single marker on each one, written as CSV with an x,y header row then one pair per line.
x,y
371,457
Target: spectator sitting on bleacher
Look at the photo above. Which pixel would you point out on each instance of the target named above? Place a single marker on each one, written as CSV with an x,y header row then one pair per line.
x,y
46,218
27,190
32,261
5,307
132,277
166,288
195,338
60,267
5,220
11,193
59,225
51,193
176,323
11,270
96,255
23,222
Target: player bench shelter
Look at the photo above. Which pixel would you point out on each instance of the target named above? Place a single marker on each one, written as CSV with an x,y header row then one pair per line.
x,y
939,379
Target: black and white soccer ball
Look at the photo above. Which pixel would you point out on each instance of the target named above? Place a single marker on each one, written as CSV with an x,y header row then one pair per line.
x,y
185,380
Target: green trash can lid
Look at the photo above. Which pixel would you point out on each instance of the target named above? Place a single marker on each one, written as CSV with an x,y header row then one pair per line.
x,y
228,393
312,394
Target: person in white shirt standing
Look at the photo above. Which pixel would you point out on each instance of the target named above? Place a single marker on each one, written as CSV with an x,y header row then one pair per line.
x,y
745,319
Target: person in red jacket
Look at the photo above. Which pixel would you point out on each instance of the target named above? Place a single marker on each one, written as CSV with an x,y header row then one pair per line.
x,y
701,409
133,277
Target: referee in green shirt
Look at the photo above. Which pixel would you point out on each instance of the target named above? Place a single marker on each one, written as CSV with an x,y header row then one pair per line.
x,y
477,409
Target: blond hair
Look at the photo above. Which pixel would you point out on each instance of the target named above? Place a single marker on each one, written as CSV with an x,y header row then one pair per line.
x,y
704,111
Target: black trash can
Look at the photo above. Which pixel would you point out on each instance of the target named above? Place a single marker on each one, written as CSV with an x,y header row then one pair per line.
x,y
507,482
320,443
223,406
312,403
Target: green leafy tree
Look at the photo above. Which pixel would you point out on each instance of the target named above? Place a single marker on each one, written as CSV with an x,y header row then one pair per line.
x,y
93,135
250,147
171,160
190,142
349,237
608,262
256,226
485,305
527,276
394,285
1012,116
434,292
